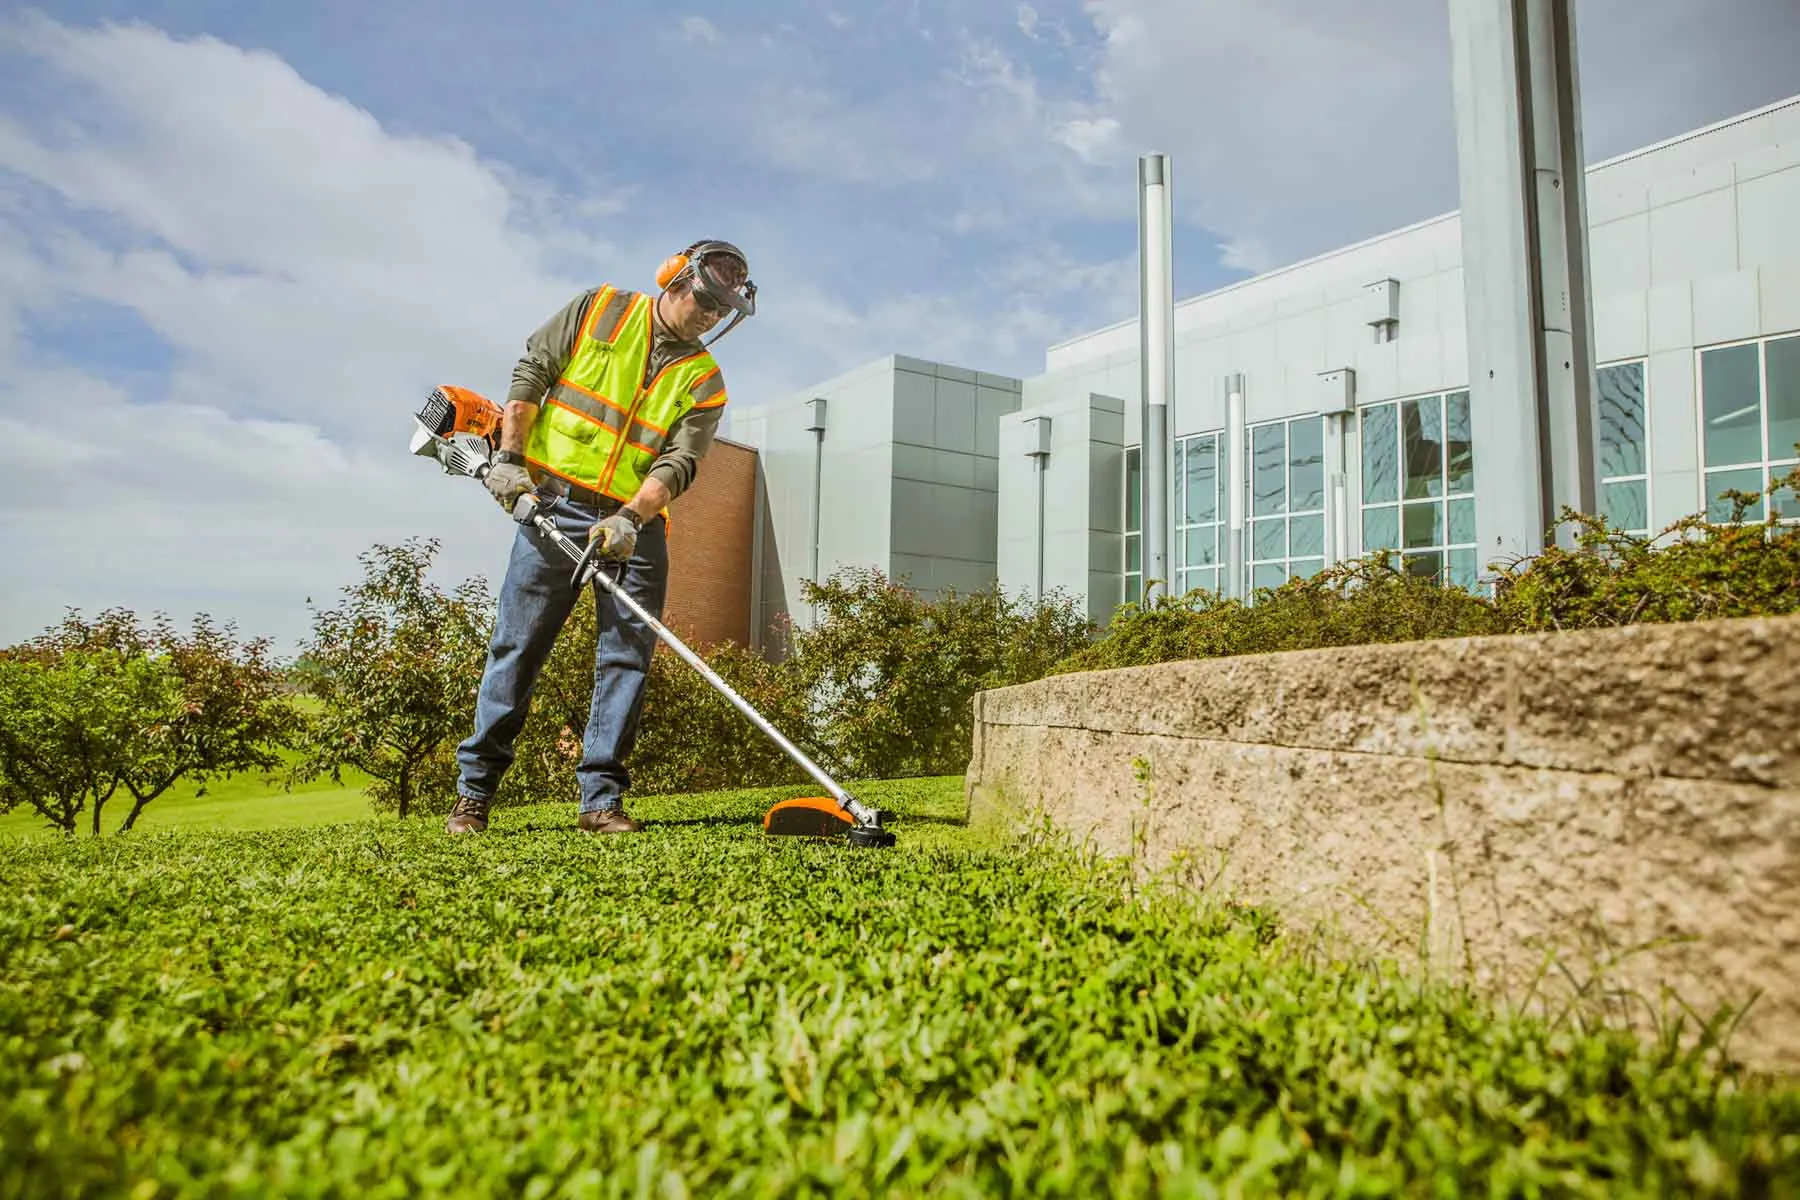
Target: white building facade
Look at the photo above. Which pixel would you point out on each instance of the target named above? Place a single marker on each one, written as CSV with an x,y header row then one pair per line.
x,y
891,466
1321,411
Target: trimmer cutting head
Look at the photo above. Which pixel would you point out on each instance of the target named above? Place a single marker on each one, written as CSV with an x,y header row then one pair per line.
x,y
823,817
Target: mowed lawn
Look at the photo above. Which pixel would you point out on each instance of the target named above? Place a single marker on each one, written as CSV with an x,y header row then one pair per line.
x,y
372,1008
245,802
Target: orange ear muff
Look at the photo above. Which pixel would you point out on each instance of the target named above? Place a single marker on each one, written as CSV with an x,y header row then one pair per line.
x,y
672,266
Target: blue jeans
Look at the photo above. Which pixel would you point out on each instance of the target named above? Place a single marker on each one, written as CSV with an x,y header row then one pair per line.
x,y
535,602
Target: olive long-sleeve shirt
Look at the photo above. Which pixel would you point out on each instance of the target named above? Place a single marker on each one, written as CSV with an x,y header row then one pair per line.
x,y
547,352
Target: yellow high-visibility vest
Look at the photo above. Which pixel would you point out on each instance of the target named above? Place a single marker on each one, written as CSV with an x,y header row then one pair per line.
x,y
601,424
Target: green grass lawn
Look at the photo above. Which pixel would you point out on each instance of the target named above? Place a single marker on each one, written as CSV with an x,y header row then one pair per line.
x,y
375,1009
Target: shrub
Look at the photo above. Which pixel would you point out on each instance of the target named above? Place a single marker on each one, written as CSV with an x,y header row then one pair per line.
x,y
892,676
1362,601
882,686
1706,570
396,671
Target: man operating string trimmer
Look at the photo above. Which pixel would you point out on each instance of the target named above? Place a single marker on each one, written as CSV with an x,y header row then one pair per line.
x,y
611,409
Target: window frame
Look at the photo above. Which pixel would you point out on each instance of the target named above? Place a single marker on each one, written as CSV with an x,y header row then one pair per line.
x,y
1768,464
1133,537
1287,558
1185,572
1444,547
1648,477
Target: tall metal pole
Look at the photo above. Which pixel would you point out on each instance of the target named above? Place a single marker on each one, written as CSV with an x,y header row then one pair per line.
x,y
1232,466
1525,268
1156,322
815,425
1037,446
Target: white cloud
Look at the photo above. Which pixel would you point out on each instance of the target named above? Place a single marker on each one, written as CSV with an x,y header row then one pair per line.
x,y
1301,126
1246,254
313,276
701,30
309,298
1089,137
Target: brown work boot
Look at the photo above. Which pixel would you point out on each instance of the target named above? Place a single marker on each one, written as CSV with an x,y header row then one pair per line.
x,y
608,820
469,816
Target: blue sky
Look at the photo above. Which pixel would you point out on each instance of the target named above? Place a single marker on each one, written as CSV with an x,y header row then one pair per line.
x,y
238,242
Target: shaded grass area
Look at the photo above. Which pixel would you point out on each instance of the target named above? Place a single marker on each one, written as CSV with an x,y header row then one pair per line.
x,y
377,1009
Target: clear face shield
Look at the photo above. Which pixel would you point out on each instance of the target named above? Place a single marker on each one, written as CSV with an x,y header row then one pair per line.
x,y
719,275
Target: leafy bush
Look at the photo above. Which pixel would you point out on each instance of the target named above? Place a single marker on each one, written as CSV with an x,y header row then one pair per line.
x,y
374,1009
1366,600
92,707
396,670
1702,570
1695,569
881,687
892,676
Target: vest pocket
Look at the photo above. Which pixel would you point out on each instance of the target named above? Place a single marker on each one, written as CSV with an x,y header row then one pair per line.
x,y
574,429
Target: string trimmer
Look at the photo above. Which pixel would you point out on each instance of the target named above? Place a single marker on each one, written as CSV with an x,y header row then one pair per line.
x,y
461,430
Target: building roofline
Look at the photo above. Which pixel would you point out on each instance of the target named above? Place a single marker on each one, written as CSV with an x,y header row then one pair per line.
x,y
1272,273
1691,134
1454,213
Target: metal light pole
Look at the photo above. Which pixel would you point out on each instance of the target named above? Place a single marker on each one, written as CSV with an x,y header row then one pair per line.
x,y
1156,321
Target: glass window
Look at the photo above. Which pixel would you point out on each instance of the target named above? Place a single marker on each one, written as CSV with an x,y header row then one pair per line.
x,y
1750,420
1624,459
1379,480
1459,447
1268,470
1200,478
1134,523
1737,479
1418,484
1306,465
1286,534
1621,404
1199,511
1626,505
1730,380
1462,521
1306,536
1381,527
1422,441
1424,525
1784,399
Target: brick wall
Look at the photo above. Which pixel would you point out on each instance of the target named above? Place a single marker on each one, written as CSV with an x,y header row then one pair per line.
x,y
710,531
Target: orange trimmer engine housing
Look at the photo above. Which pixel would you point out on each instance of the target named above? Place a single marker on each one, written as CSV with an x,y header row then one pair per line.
x,y
451,410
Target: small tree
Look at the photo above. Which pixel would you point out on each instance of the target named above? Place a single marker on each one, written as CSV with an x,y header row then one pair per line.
x,y
396,669
228,713
892,675
121,705
73,724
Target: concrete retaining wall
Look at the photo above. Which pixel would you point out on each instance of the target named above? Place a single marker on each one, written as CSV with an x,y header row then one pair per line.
x,y
1627,799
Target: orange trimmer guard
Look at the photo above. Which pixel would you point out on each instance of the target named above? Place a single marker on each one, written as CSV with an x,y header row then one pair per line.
x,y
808,816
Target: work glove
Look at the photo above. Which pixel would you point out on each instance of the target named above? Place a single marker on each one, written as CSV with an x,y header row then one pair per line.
x,y
616,535
508,481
